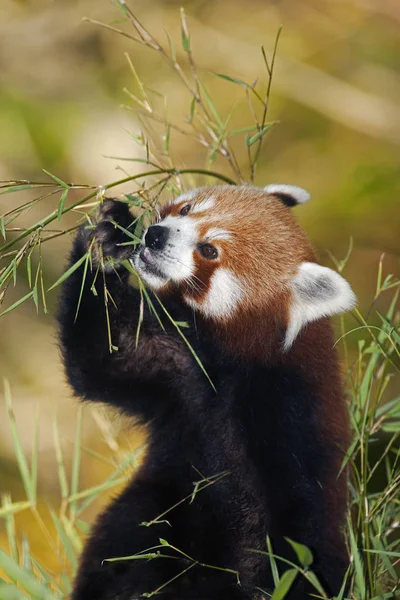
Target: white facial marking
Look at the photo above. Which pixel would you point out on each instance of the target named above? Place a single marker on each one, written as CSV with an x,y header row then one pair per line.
x,y
317,292
215,233
299,195
204,205
189,195
175,260
223,296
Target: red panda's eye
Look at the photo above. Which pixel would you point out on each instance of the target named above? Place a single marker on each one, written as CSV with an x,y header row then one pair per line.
x,y
184,211
208,251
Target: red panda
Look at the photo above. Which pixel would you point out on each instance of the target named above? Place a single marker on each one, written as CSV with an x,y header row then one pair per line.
x,y
234,263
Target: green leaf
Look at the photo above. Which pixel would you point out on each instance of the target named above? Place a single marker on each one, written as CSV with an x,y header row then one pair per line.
x,y
284,585
17,303
2,227
272,562
35,297
56,179
16,188
242,130
357,563
24,578
69,272
85,268
185,32
253,139
18,449
232,80
65,539
13,508
62,476
62,203
191,110
76,459
212,106
171,47
303,553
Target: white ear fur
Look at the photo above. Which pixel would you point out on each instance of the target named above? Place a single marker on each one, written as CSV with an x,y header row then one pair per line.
x,y
316,292
295,195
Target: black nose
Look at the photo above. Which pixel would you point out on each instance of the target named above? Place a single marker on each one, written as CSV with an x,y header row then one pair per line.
x,y
156,237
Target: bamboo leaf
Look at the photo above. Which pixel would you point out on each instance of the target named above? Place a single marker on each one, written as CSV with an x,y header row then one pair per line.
x,y
185,32
69,272
17,303
62,203
62,476
303,553
253,139
171,47
16,188
284,585
14,507
66,542
24,578
56,179
191,110
19,453
76,460
232,80
272,562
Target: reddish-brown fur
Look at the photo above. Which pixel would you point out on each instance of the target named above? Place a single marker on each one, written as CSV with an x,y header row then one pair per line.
x,y
266,247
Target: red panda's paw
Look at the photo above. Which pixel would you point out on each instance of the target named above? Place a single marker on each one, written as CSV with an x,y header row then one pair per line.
x,y
109,238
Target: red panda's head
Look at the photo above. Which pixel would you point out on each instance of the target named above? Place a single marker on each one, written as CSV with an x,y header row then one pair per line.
x,y
237,251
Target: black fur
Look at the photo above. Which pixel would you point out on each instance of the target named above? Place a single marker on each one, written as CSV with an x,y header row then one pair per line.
x,y
258,432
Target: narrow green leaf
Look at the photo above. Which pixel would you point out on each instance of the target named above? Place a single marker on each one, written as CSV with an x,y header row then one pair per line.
x,y
19,453
14,507
272,562
191,110
357,563
88,257
17,188
66,542
24,579
83,526
284,585
232,80
94,491
76,460
303,553
10,591
62,476
166,137
56,179
69,272
35,297
2,227
29,269
253,139
61,203
211,105
35,454
172,51
242,130
17,303
185,32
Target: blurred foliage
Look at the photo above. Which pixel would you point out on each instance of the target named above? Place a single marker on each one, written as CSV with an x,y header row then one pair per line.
x,y
66,104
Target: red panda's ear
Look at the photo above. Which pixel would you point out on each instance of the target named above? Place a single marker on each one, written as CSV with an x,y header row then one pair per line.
x,y
291,195
316,292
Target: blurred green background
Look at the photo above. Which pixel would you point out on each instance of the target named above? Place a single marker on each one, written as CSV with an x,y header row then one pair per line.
x,y
335,92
